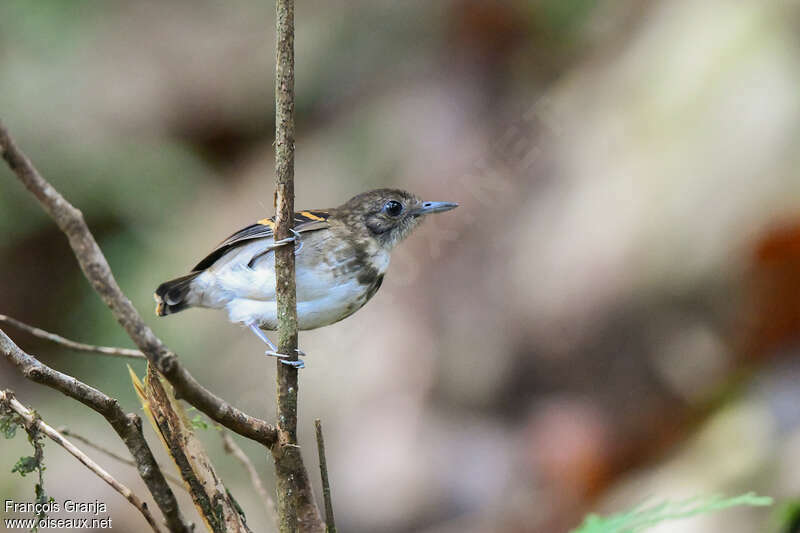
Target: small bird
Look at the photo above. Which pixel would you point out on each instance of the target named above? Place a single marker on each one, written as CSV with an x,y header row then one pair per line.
x,y
341,256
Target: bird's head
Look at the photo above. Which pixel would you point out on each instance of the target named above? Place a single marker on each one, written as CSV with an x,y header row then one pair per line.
x,y
389,215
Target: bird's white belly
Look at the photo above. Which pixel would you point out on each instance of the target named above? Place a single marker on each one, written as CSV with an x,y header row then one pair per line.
x,y
339,302
324,295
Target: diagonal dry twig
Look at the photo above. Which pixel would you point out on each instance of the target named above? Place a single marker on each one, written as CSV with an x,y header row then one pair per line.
x,y
117,457
31,420
212,499
230,447
128,426
72,345
98,272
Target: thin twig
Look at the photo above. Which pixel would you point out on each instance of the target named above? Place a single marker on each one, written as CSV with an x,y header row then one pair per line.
x,y
128,426
323,471
296,508
97,271
73,345
124,460
33,421
232,448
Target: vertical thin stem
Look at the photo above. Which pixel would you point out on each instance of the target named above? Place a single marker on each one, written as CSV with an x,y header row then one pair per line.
x,y
284,219
296,508
323,471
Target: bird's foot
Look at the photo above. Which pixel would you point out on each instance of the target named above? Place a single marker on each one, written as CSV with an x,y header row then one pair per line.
x,y
297,363
273,350
295,238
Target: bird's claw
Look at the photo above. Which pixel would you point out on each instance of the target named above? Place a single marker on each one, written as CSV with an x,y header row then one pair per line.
x,y
273,353
294,238
281,242
283,358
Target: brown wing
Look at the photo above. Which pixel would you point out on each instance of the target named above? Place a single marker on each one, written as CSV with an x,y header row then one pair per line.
x,y
303,221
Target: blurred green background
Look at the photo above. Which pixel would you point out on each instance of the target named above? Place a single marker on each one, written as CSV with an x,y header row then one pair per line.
x,y
612,314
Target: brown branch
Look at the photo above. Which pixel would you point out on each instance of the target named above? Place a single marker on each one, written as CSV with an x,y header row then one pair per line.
x,y
323,472
296,508
97,271
33,421
124,460
211,499
72,345
230,447
128,426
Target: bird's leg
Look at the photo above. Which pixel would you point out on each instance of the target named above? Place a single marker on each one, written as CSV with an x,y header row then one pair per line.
x,y
273,350
295,238
281,242
261,335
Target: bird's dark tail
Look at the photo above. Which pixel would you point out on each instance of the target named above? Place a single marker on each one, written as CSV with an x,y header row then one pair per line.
x,y
171,295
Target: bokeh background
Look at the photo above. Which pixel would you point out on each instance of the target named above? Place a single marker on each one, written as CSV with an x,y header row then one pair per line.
x,y
611,316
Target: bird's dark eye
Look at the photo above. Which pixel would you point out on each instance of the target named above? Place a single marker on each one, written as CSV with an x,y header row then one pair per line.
x,y
393,208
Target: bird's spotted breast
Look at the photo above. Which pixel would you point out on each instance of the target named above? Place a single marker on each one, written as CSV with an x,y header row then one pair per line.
x,y
335,278
369,270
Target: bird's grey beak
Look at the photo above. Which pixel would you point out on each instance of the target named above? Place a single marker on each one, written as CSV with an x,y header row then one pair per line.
x,y
434,207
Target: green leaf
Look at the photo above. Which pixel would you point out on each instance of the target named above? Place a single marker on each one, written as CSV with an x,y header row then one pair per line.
x,y
41,497
9,422
788,516
8,426
647,516
25,465
198,422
